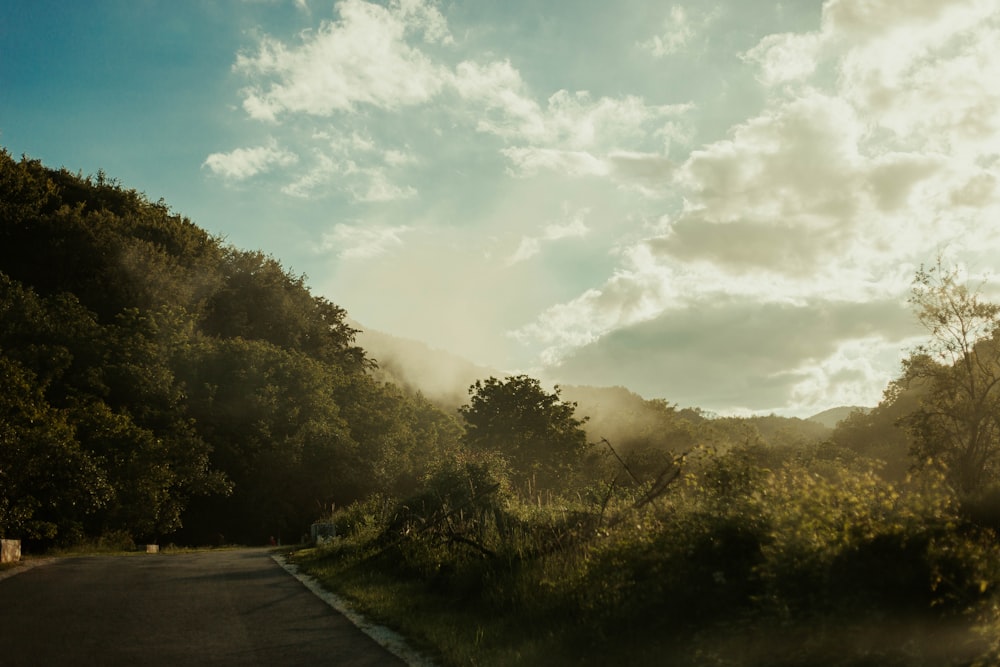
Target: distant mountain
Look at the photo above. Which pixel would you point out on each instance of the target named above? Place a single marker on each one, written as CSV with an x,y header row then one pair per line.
x,y
440,376
445,378
830,418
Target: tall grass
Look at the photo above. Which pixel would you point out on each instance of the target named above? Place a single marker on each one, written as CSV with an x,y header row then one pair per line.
x,y
733,565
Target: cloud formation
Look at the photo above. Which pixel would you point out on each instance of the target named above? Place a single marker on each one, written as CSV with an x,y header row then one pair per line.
x,y
532,245
838,188
364,58
354,164
679,30
758,213
731,353
363,242
378,59
243,163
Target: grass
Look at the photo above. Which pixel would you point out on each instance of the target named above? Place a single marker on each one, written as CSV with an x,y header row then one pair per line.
x,y
450,633
800,571
460,634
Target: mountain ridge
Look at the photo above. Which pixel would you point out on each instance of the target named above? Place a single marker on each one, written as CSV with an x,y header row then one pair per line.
x,y
444,377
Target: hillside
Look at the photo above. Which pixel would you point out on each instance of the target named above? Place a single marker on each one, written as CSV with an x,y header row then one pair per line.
x,y
632,423
830,418
441,376
193,389
161,384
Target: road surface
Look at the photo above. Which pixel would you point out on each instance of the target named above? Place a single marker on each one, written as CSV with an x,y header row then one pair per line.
x,y
219,608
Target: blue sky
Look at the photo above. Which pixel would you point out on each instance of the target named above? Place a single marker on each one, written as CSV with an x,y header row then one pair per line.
x,y
717,203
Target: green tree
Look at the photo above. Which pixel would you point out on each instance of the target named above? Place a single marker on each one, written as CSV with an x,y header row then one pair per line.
x,y
259,300
48,484
536,430
881,433
196,382
402,436
958,372
275,428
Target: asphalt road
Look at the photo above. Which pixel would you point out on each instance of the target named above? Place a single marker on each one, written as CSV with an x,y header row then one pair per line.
x,y
215,608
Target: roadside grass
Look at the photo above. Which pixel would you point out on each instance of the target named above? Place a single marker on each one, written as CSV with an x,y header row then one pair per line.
x,y
449,631
454,633
796,569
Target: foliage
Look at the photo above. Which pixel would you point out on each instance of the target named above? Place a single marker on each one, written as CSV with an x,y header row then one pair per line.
x,y
637,438
162,384
958,423
404,435
880,433
49,482
537,432
810,563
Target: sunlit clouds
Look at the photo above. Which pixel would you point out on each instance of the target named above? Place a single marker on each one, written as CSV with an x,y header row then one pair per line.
x,y
242,163
363,58
843,182
532,245
680,29
357,242
564,220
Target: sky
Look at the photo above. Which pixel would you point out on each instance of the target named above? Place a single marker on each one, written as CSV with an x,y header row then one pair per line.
x,y
717,203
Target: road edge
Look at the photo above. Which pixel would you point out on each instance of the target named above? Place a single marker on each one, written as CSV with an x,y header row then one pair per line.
x,y
390,640
23,566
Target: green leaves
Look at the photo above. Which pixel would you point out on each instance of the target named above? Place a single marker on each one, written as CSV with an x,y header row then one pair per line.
x,y
189,381
958,422
538,432
48,482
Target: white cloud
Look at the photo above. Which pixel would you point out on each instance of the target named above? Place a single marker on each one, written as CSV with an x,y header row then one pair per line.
x,y
364,241
497,88
532,245
353,163
364,184
680,28
854,373
873,19
243,163
363,58
577,136
370,60
786,57
914,68
677,33
426,17
735,354
397,158
574,121
876,144
300,4
530,160
638,291
837,189
378,188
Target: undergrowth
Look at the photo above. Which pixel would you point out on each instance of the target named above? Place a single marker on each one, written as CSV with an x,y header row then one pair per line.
x,y
808,564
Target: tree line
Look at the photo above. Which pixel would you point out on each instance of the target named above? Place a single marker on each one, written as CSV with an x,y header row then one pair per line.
x,y
158,383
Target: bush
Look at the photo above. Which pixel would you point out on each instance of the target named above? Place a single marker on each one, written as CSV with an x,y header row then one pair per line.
x,y
808,562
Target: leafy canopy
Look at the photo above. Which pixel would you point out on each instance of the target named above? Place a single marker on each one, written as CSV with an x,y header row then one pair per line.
x,y
536,430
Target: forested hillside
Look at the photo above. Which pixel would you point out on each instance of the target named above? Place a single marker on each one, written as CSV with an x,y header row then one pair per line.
x,y
161,384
